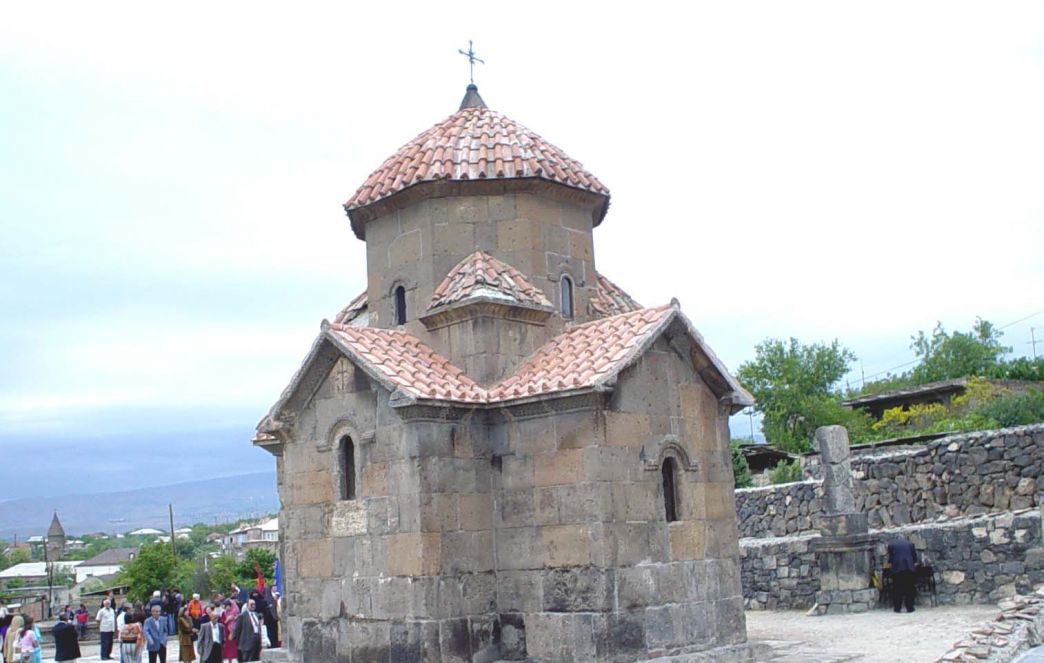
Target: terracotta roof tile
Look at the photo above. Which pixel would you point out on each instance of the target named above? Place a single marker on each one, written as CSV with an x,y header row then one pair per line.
x,y
408,364
482,274
582,355
609,299
578,358
354,310
468,145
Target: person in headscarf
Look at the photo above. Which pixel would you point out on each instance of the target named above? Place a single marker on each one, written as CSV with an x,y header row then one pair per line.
x,y
11,653
186,634
228,618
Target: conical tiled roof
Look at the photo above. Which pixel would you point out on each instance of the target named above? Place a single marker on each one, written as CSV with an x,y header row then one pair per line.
x,y
480,274
56,528
475,143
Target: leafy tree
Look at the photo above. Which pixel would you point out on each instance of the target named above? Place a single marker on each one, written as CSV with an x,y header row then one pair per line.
x,y
223,571
794,387
155,568
740,468
948,356
266,560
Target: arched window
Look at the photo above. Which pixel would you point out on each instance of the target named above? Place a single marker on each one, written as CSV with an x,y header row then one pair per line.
x,y
670,494
400,305
567,298
347,468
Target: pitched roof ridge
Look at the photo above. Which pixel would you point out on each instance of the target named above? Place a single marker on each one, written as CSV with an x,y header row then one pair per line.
x,y
481,269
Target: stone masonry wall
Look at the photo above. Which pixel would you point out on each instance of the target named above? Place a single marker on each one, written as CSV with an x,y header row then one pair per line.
x,y
961,475
977,559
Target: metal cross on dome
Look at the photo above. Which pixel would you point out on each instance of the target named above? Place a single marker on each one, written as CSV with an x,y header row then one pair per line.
x,y
471,59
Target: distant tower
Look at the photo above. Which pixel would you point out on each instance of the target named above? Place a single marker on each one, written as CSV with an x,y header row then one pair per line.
x,y
55,539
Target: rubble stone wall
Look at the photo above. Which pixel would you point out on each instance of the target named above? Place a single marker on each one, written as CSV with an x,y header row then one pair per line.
x,y
961,475
977,559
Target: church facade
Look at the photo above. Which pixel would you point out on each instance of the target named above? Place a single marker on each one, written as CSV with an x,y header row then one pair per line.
x,y
494,453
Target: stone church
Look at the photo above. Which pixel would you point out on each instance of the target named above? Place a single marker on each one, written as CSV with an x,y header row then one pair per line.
x,y
494,453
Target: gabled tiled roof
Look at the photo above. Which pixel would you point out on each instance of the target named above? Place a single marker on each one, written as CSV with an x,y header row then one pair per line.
x,y
584,356
587,356
472,144
400,360
480,274
609,299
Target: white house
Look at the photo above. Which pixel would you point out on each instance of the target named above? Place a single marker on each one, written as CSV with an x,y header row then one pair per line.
x,y
264,534
33,572
145,531
106,563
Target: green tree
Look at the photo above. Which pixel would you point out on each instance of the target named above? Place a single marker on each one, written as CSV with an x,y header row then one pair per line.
x,y
223,572
740,468
246,573
948,356
155,568
794,388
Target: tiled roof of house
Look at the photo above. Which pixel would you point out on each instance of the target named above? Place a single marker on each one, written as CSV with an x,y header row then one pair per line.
x,y
472,144
480,274
111,557
609,299
585,355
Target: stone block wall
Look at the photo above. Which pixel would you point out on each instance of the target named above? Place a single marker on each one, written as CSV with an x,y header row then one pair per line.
x,y
961,475
978,559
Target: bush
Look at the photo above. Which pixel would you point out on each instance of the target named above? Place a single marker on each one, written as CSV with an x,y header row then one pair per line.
x,y
786,472
1015,409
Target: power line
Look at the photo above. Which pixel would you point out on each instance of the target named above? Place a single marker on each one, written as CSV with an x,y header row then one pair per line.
x,y
1031,315
915,361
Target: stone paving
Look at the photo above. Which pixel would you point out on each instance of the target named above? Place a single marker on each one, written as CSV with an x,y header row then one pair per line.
x,y
879,636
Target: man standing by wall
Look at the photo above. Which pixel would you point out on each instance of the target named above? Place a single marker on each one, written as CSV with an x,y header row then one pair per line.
x,y
902,557
106,629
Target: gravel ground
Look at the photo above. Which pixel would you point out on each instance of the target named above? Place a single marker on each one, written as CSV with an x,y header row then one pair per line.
x,y
880,636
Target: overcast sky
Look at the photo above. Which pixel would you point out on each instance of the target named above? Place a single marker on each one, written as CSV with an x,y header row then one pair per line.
x,y
171,183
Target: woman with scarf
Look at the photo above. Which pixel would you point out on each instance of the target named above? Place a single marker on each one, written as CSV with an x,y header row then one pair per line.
x,y
186,634
11,651
229,651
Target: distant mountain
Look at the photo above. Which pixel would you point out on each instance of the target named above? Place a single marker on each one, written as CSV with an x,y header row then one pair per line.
x,y
209,501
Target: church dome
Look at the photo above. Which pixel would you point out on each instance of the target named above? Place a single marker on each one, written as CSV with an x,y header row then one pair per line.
x,y
475,143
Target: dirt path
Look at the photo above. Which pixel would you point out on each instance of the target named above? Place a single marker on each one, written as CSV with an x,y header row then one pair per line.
x,y
880,636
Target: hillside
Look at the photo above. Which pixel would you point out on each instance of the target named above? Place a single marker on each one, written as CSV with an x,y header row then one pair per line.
x,y
211,500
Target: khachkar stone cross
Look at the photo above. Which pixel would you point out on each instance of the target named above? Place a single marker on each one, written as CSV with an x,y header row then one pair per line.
x,y
844,549
472,59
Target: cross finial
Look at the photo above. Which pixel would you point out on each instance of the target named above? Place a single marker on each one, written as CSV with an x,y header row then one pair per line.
x,y
471,59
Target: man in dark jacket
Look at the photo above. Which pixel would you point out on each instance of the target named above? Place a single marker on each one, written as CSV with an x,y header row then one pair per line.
x,y
902,557
66,640
247,633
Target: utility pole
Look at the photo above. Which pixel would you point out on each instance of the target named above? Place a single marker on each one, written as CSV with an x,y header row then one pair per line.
x,y
50,576
173,549
1033,342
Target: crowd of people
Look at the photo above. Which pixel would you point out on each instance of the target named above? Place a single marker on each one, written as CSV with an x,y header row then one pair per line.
x,y
225,628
